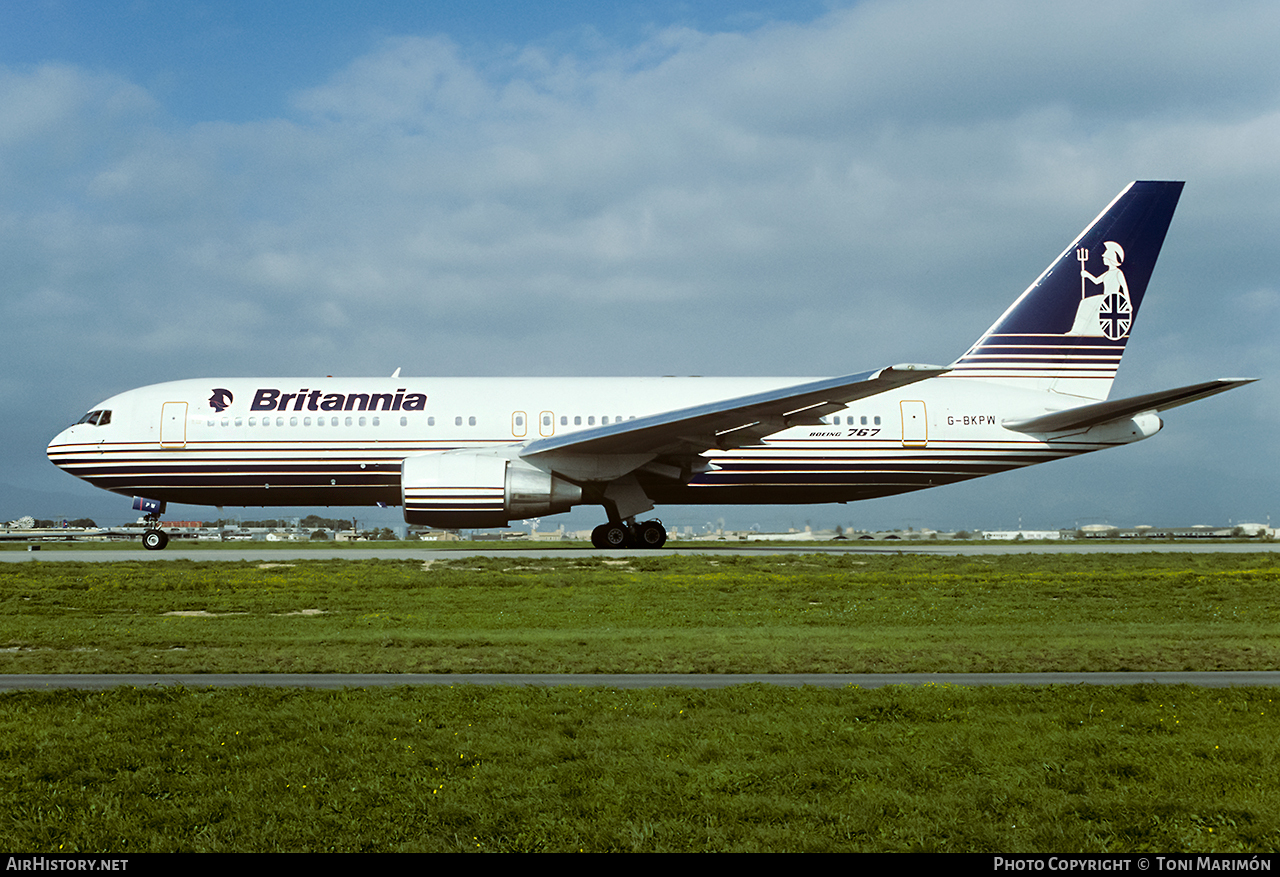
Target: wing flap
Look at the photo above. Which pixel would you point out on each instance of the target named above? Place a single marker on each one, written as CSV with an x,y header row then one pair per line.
x,y
1101,412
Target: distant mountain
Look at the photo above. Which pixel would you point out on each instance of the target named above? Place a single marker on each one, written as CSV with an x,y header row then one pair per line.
x,y
110,510
106,509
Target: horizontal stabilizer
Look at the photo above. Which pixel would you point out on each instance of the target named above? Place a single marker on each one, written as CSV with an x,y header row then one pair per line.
x,y
1102,412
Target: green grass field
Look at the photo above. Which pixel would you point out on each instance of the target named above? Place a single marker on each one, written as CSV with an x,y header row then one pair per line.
x,y
1059,769
811,613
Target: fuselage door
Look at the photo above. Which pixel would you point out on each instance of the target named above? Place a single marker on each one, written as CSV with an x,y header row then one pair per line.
x,y
518,424
915,428
173,425
546,424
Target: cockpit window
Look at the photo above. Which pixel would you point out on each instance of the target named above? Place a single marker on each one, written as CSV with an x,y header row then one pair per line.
x,y
97,418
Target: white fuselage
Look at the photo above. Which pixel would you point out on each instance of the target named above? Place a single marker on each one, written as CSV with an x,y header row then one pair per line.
x,y
341,441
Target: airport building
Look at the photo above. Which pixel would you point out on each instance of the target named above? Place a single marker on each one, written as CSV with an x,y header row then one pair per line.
x,y
26,529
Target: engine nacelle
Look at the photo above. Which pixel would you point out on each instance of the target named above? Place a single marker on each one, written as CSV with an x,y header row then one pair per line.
x,y
1133,429
455,489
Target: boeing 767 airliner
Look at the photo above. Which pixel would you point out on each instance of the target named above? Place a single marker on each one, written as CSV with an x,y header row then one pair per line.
x,y
479,452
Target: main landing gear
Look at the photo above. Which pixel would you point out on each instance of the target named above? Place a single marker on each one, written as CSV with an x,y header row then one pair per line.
x,y
629,534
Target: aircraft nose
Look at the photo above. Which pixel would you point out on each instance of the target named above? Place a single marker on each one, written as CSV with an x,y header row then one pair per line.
x,y
56,449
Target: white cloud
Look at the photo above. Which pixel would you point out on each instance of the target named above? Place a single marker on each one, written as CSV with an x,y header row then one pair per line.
x,y
878,147
56,102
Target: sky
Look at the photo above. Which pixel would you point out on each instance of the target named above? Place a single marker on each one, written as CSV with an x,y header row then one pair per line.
x,y
198,189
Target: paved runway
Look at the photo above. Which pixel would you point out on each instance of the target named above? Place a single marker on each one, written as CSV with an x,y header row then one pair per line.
x,y
98,682
82,554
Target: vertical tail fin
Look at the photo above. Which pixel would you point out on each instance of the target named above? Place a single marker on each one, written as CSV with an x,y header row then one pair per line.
x,y
1067,332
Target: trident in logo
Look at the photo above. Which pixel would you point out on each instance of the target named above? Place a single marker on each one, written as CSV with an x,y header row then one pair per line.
x,y
1082,256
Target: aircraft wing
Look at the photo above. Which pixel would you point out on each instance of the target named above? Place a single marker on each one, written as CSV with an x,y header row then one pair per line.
x,y
1101,412
730,423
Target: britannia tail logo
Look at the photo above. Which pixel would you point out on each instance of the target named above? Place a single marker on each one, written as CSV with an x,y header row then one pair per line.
x,y
1109,313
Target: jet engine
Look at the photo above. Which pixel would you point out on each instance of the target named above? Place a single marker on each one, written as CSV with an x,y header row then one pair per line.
x,y
1130,429
454,489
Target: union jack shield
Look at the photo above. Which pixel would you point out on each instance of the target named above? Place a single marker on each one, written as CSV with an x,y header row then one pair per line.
x,y
1115,316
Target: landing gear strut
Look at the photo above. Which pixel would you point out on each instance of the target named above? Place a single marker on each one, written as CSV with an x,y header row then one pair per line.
x,y
629,534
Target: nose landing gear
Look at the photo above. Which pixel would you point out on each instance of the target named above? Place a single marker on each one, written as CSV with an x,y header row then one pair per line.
x,y
153,538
